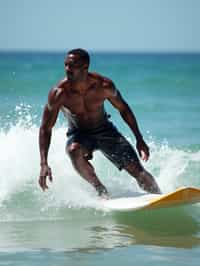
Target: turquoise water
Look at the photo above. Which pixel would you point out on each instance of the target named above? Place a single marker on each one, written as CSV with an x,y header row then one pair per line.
x,y
67,225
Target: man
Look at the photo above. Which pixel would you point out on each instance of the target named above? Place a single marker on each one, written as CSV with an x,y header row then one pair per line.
x,y
81,97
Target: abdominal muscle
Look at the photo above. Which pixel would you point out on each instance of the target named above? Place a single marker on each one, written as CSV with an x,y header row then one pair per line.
x,y
86,120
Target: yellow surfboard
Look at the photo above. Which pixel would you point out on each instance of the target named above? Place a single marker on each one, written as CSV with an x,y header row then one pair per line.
x,y
181,196
185,195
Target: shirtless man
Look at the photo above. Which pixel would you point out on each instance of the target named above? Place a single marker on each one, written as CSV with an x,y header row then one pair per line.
x,y
81,97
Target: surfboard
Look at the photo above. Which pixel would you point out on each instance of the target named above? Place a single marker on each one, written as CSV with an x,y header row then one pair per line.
x,y
181,196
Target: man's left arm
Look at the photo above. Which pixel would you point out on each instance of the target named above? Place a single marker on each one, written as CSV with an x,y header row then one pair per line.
x,y
116,99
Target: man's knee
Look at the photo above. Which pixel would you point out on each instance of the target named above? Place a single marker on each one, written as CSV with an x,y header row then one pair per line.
x,y
134,168
73,150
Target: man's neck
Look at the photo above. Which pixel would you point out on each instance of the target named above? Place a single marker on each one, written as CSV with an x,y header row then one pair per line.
x,y
81,86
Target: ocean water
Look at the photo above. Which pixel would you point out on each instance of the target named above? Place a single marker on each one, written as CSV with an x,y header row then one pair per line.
x,y
67,225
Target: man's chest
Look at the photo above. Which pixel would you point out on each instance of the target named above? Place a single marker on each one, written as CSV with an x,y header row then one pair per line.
x,y
86,102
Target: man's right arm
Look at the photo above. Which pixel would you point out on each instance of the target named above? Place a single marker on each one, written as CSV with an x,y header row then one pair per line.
x,y
48,120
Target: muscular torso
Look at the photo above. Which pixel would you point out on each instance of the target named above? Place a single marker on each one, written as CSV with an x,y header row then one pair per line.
x,y
84,108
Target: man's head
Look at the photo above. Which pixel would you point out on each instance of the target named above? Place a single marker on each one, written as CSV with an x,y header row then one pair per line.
x,y
82,54
77,63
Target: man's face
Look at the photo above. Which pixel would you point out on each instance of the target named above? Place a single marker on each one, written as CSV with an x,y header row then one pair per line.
x,y
74,68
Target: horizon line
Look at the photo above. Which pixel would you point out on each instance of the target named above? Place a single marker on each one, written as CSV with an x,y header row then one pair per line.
x,y
115,51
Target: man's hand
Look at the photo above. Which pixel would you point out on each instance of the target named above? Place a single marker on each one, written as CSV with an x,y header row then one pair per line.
x,y
143,149
44,172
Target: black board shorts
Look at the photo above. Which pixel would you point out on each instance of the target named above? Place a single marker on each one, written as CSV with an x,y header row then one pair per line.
x,y
106,139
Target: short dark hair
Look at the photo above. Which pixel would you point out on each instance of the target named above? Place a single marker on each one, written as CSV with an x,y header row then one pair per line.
x,y
83,55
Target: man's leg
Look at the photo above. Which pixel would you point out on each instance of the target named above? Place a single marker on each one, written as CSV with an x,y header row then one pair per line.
x,y
145,179
78,156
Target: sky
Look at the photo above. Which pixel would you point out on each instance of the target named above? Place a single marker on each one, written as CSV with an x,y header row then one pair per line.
x,y
103,25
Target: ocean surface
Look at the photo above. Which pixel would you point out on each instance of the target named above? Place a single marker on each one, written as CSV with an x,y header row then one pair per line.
x,y
67,225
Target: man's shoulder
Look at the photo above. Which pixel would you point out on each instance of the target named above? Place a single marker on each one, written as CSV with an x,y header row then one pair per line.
x,y
104,81
56,93
62,84
60,87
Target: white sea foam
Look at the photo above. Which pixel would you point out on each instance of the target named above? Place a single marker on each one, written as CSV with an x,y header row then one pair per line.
x,y
20,166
